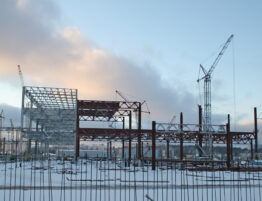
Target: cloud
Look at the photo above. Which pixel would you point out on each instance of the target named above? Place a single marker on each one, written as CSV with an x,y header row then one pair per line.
x,y
53,55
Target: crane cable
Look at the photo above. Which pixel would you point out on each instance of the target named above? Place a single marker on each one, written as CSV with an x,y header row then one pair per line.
x,y
234,83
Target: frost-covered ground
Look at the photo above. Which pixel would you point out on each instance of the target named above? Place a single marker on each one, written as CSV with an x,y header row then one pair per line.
x,y
109,180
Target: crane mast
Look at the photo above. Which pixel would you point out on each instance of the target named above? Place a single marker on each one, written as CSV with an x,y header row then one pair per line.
x,y
207,94
1,123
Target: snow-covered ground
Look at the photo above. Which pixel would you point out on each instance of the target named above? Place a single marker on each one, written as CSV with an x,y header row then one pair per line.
x,y
112,181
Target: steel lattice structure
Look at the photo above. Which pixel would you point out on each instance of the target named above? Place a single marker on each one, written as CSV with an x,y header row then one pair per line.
x,y
207,94
53,115
49,113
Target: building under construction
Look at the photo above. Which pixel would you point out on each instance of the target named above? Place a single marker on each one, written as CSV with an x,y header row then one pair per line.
x,y
55,119
49,156
55,116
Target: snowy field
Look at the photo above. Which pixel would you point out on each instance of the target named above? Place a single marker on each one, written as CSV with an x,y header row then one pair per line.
x,y
113,181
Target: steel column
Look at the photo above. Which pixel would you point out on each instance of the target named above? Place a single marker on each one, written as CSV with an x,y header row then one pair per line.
x,y
200,137
77,139
3,146
123,141
36,147
123,149
29,146
139,132
167,149
181,136
255,132
130,140
251,150
110,149
231,141
22,109
153,145
228,146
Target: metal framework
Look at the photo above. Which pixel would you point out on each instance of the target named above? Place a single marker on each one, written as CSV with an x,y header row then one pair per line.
x,y
49,113
54,114
108,111
177,133
207,93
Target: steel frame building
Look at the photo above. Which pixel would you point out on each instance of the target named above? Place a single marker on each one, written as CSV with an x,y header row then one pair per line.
x,y
54,115
108,111
49,114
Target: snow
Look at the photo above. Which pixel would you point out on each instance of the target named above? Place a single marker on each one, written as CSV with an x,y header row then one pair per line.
x,y
112,181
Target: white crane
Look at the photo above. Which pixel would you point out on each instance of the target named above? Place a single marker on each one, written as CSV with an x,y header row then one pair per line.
x,y
1,123
207,92
171,122
135,111
20,75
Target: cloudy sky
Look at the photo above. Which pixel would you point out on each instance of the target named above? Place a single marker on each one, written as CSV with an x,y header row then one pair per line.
x,y
148,50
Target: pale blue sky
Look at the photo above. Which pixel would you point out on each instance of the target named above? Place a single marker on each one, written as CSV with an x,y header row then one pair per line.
x,y
173,37
176,36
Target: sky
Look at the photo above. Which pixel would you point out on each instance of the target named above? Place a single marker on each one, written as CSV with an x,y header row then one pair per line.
x,y
149,50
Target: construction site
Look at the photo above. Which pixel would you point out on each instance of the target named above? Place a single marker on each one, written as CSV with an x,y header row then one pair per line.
x,y
67,148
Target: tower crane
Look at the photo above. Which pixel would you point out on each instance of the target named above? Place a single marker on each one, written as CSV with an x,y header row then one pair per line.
x,y
1,123
20,75
126,100
1,118
12,135
207,91
171,122
135,111
122,96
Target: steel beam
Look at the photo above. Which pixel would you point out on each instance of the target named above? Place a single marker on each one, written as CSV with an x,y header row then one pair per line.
x,y
251,150
231,141
129,138
153,145
139,132
200,137
256,133
77,139
167,149
123,141
228,147
181,136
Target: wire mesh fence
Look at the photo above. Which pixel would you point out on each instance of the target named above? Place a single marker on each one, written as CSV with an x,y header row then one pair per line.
x,y
48,179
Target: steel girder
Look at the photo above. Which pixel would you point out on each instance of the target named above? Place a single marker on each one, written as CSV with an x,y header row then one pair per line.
x,y
188,136
117,134
114,111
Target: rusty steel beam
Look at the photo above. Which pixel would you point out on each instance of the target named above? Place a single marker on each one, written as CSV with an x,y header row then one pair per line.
x,y
111,132
106,116
167,149
200,137
101,105
255,131
181,136
77,139
153,145
231,141
123,141
228,147
139,132
251,150
129,137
